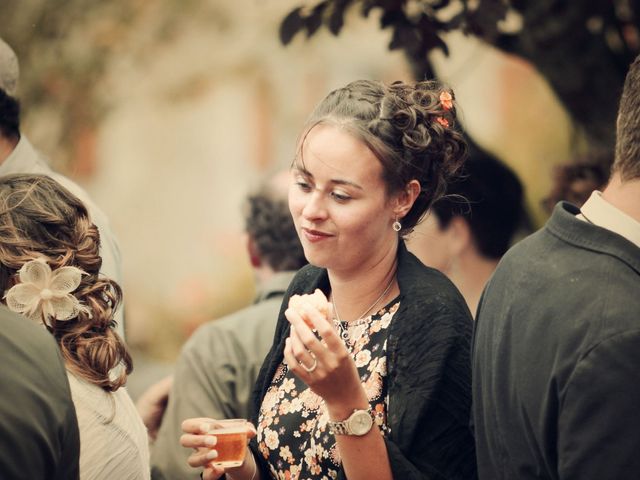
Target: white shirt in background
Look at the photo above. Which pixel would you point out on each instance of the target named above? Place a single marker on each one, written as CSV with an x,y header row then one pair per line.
x,y
113,439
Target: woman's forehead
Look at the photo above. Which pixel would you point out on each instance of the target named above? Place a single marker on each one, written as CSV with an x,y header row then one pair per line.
x,y
330,149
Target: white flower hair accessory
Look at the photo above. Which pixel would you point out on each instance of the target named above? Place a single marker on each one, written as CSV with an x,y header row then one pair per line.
x,y
43,293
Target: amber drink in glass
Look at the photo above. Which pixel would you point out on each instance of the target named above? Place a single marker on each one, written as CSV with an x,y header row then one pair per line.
x,y
232,442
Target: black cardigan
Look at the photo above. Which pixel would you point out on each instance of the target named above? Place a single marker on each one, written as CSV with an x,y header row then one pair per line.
x,y
429,374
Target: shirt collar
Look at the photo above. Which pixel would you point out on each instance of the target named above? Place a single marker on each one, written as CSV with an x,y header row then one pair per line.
x,y
598,211
276,285
23,158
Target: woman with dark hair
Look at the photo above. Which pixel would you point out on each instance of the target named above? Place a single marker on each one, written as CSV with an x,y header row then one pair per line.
x,y
49,272
375,382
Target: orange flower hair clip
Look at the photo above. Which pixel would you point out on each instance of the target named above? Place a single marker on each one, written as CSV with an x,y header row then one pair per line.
x,y
446,100
443,121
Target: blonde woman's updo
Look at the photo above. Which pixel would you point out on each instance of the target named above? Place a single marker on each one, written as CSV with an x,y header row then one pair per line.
x,y
41,219
410,128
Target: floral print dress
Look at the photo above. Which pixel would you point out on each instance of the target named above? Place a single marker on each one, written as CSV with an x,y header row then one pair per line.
x,y
293,435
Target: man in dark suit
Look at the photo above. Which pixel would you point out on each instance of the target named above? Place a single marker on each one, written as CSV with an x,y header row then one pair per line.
x,y
556,354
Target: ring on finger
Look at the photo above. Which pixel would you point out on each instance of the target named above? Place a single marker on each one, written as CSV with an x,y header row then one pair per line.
x,y
313,366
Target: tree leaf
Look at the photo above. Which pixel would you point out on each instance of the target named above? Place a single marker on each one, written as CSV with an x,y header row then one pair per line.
x,y
393,18
336,17
314,20
291,25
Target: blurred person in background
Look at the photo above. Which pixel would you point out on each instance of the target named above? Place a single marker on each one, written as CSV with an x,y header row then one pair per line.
x,y
50,273
38,427
219,364
575,181
557,340
468,230
372,380
17,155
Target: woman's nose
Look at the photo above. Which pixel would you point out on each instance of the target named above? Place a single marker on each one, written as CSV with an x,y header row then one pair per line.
x,y
314,208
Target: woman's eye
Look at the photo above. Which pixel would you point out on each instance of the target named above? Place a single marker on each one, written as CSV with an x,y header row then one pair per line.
x,y
304,186
340,197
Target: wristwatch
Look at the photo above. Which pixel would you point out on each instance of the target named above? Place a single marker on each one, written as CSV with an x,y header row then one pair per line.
x,y
359,423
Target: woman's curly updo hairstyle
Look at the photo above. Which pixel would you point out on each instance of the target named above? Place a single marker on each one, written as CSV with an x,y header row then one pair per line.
x,y
41,219
409,130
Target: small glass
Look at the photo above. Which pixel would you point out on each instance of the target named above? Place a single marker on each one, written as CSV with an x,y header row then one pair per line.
x,y
232,442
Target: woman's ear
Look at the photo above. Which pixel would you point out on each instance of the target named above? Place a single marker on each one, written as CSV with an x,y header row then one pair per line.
x,y
252,250
406,198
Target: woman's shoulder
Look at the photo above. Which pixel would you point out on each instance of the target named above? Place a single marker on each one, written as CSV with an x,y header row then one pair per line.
x,y
108,410
307,277
306,280
112,434
85,394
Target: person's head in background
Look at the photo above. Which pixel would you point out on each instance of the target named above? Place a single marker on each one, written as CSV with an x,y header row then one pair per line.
x,y
575,181
626,165
468,230
9,106
272,241
44,230
9,69
9,124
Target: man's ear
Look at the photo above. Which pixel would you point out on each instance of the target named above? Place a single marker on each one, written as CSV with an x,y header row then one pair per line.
x,y
252,250
406,198
459,235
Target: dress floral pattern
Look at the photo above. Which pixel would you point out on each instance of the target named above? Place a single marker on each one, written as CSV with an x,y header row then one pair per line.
x,y
293,435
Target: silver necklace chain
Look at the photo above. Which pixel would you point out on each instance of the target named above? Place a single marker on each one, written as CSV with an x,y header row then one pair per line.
x,y
342,330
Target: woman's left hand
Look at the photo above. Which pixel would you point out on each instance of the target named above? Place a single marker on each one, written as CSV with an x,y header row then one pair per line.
x,y
324,364
198,437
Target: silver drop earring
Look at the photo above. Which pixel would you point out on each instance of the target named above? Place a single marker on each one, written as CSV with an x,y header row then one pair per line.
x,y
397,226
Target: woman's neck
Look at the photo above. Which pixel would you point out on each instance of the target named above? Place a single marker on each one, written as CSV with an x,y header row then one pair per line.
x,y
353,292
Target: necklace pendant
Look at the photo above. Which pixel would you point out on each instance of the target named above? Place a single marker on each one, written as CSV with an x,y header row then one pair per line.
x,y
342,331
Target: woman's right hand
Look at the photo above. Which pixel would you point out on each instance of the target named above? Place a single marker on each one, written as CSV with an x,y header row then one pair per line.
x,y
196,435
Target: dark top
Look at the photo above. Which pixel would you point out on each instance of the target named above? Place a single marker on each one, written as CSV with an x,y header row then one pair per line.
x,y
556,360
39,435
428,376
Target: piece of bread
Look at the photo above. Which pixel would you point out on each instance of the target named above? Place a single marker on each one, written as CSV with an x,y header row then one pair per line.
x,y
316,299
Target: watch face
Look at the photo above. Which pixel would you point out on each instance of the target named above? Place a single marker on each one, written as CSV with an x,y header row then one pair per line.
x,y
360,422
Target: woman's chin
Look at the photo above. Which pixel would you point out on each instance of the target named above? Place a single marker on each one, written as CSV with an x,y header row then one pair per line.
x,y
317,259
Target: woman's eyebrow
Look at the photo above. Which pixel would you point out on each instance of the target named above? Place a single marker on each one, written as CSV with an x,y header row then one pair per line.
x,y
335,181
338,181
303,171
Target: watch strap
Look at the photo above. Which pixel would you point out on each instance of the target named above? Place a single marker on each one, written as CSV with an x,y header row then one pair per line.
x,y
342,427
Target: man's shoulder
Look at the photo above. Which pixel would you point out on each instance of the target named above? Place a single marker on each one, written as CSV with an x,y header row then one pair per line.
x,y
36,406
21,333
252,313
97,215
238,327
28,160
580,289
37,366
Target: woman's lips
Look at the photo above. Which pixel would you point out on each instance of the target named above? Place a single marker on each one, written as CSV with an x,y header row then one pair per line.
x,y
315,235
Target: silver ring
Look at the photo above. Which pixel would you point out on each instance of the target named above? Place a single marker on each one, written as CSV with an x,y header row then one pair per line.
x,y
312,367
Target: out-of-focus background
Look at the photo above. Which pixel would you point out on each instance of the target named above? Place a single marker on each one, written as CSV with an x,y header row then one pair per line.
x,y
169,111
